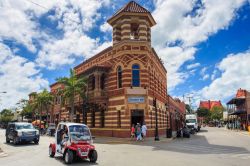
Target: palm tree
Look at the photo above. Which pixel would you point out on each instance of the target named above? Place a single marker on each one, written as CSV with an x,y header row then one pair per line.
x,y
73,86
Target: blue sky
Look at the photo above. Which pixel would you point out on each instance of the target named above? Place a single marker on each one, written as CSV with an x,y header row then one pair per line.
x,y
204,44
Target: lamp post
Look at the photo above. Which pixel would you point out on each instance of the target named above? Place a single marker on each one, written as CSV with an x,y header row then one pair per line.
x,y
156,122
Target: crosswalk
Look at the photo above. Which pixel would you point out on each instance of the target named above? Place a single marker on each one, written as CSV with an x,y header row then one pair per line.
x,y
218,150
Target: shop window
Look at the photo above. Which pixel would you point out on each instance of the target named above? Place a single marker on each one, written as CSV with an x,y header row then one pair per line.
x,y
119,119
103,81
136,75
119,76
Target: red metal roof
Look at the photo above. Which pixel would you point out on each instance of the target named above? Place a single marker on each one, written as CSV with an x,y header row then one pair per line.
x,y
241,93
132,7
210,104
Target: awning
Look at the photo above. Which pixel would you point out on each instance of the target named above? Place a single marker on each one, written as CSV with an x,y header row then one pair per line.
x,y
238,112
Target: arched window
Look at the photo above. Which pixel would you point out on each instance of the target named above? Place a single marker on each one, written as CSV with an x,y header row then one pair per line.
x,y
119,76
103,81
135,75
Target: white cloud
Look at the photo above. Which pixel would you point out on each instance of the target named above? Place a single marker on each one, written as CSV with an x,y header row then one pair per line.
x,y
205,77
173,62
234,75
106,28
194,65
203,71
18,77
214,74
186,23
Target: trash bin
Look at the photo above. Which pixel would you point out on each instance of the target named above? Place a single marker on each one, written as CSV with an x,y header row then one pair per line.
x,y
169,133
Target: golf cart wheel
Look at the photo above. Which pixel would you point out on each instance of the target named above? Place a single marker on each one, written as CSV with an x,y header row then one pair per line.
x,y
51,153
93,156
68,158
7,140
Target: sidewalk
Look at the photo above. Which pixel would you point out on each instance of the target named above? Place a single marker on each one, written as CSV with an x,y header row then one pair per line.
x,y
2,154
245,133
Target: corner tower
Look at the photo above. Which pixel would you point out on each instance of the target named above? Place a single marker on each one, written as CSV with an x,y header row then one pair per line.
x,y
132,22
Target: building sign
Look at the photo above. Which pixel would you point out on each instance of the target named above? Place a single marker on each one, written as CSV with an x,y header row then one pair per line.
x,y
136,99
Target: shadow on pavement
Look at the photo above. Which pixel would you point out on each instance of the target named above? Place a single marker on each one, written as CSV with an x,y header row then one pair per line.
x,y
23,144
76,162
197,144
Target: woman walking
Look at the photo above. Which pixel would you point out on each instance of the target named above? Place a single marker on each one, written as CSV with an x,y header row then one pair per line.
x,y
144,131
138,132
132,135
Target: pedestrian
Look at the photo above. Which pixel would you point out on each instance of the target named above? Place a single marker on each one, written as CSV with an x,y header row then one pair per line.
x,y
144,131
132,134
138,132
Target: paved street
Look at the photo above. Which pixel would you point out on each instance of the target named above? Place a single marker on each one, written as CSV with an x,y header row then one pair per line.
x,y
212,146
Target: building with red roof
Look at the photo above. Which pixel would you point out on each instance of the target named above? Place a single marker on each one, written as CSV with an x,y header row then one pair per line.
x,y
210,104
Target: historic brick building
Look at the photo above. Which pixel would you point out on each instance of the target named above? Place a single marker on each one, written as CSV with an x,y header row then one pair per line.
x,y
238,109
123,80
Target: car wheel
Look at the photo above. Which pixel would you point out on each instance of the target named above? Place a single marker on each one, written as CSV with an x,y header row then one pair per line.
x,y
7,140
51,153
68,158
93,156
36,141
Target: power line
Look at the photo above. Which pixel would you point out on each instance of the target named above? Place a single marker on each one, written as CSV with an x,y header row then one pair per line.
x,y
37,4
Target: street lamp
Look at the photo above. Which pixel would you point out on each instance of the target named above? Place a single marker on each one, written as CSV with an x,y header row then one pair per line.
x,y
156,122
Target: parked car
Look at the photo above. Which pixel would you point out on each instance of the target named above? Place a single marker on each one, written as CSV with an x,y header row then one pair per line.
x,y
73,141
21,132
51,129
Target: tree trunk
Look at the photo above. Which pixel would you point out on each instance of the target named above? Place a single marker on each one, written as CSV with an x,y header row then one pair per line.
x,y
40,118
72,110
47,118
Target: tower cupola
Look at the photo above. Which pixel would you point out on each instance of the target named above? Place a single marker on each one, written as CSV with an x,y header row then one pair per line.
x,y
132,22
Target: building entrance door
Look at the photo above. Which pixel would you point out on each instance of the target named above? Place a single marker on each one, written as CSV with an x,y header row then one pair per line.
x,y
137,116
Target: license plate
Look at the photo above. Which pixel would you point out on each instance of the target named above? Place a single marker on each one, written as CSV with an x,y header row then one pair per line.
x,y
84,153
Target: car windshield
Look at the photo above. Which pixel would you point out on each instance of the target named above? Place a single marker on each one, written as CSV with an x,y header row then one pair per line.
x,y
190,120
79,133
24,126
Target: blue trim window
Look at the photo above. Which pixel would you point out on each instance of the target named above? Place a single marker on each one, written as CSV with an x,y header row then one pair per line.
x,y
136,75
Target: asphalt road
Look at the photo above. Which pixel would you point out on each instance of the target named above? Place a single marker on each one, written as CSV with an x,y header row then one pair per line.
x,y
211,146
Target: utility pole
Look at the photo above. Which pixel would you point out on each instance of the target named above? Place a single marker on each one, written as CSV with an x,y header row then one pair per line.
x,y
189,102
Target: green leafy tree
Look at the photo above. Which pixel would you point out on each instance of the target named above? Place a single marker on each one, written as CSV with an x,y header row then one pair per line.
x,y
42,102
6,116
73,86
217,113
188,108
22,104
203,112
28,110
